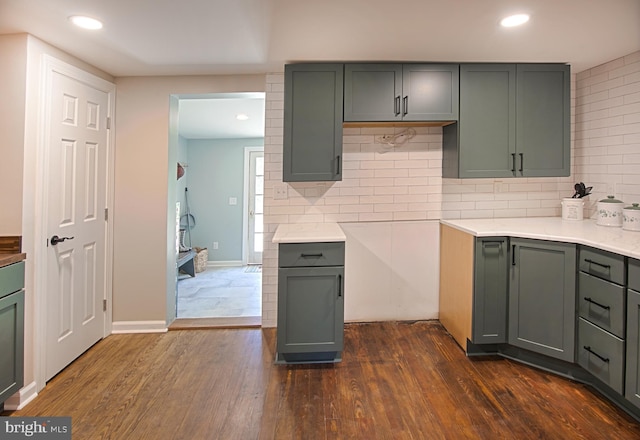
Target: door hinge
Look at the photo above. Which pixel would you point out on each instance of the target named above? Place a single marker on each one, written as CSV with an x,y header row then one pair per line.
x,y
108,123
106,214
104,305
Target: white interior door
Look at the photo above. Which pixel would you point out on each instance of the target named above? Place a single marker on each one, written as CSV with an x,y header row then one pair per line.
x,y
76,188
256,202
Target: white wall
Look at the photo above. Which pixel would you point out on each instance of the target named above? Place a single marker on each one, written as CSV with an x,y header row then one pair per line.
x,y
144,220
608,130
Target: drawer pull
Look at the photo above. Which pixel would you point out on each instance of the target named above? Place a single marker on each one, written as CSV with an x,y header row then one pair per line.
x,y
339,286
597,303
606,266
603,359
318,255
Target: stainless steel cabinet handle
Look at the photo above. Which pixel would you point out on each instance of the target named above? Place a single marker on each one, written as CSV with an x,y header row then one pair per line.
x,y
513,163
396,105
405,105
318,255
337,165
339,286
513,254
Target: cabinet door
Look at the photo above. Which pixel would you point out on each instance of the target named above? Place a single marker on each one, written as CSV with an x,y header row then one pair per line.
x,y
542,297
372,92
312,141
430,92
543,120
632,388
11,344
490,291
488,120
310,310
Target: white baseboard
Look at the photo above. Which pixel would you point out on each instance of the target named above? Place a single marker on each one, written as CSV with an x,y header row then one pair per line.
x,y
224,263
20,399
121,327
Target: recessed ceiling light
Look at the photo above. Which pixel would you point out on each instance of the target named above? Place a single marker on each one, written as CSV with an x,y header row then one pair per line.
x,y
514,20
86,22
242,117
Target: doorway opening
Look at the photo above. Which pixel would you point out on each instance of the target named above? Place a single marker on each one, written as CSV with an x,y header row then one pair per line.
x,y
219,209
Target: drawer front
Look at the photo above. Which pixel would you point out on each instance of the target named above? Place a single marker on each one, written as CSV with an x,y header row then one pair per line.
x,y
602,303
311,254
602,354
11,278
634,274
602,264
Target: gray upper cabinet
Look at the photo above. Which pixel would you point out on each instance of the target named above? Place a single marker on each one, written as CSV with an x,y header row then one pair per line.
x,y
312,144
401,92
514,122
542,297
543,120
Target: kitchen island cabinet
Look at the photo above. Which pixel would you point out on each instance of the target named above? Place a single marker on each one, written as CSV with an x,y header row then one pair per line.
x,y
312,138
310,293
401,92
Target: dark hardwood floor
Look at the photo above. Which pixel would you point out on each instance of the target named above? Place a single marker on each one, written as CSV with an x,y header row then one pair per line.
x,y
396,381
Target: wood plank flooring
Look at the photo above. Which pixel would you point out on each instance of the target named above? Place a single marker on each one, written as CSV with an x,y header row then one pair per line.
x,y
396,381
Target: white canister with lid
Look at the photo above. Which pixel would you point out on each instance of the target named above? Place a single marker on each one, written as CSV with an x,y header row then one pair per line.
x,y
631,217
610,212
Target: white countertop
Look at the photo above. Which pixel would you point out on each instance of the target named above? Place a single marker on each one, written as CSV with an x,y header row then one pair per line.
x,y
308,233
585,232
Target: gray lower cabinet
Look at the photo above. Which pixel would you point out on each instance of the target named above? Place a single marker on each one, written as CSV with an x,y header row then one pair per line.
x,y
514,122
542,297
490,292
11,330
632,383
310,302
400,92
312,143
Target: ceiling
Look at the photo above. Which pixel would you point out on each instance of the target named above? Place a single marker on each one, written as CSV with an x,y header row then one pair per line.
x,y
197,37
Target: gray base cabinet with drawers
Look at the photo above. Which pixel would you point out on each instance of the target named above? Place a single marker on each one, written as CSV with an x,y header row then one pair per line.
x,y
542,297
632,385
310,302
601,311
11,330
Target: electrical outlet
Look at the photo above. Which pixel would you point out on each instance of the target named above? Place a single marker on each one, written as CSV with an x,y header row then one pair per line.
x,y
280,191
233,200
498,187
215,245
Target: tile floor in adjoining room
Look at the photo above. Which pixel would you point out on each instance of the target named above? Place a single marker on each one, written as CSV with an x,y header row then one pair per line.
x,y
220,292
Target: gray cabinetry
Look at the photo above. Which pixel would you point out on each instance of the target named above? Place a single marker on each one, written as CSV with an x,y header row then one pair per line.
x,y
542,297
601,310
489,321
312,144
632,384
310,302
401,92
514,122
11,330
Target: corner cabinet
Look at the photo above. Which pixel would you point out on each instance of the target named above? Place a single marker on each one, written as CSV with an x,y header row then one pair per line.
x,y
514,122
542,297
312,142
310,302
11,330
400,92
